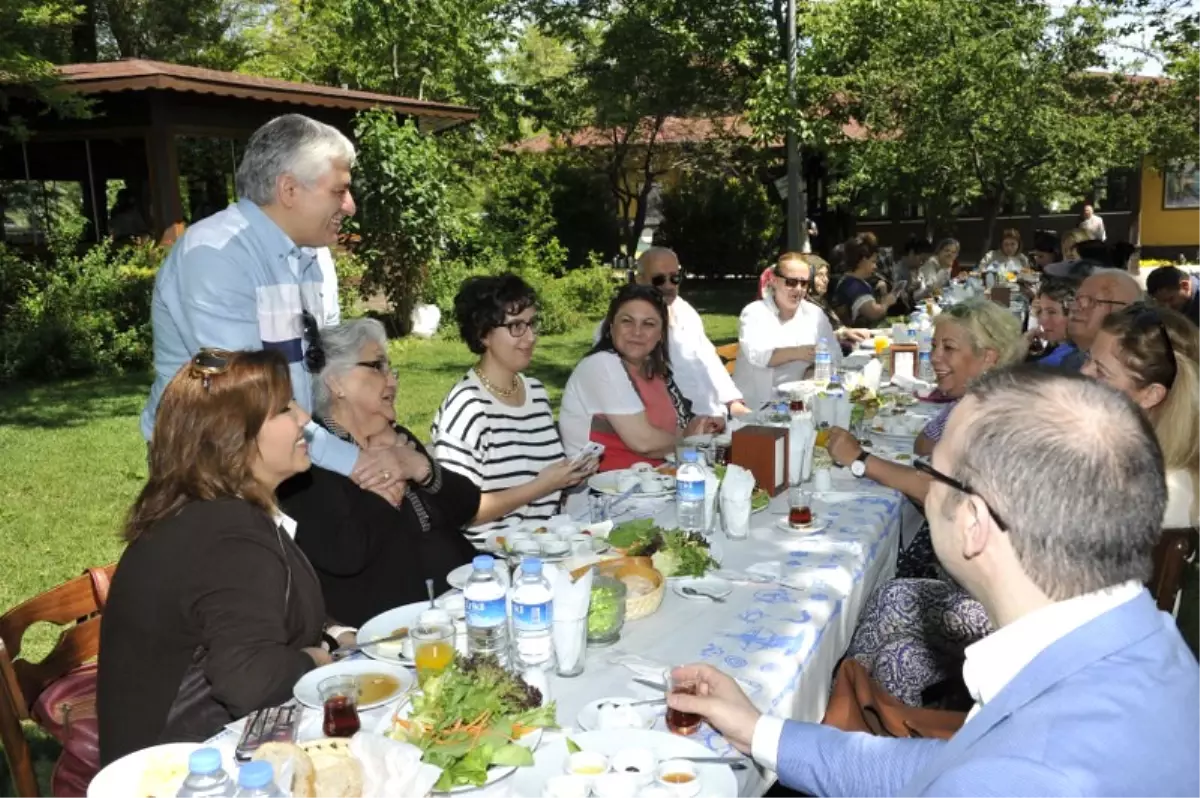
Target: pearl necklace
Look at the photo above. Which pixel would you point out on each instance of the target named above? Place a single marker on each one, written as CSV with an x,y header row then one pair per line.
x,y
501,392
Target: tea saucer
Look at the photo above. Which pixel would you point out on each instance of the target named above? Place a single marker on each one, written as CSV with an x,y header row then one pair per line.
x,y
816,526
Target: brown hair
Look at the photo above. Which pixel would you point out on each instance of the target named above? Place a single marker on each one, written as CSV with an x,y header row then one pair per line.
x,y
205,434
658,364
1012,233
1144,352
858,249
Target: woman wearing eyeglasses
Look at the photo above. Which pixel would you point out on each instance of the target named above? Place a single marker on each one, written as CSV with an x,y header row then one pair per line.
x,y
372,555
214,611
778,334
496,427
622,394
1150,354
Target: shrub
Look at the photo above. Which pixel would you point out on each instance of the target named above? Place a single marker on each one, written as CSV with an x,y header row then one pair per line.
x,y
350,272
720,225
87,314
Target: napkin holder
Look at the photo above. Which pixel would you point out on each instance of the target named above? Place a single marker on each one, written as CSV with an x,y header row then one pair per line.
x,y
763,451
904,360
1001,295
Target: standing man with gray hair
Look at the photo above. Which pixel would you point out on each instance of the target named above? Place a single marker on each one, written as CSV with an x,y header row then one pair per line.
x,y
255,276
1046,503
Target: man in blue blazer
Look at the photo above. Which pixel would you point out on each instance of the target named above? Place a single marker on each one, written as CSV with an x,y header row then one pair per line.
x,y
1046,503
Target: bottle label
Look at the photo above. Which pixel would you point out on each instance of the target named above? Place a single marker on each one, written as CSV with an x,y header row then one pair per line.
x,y
691,490
488,612
530,617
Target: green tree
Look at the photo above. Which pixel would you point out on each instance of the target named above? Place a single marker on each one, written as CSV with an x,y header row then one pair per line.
x,y
964,101
36,35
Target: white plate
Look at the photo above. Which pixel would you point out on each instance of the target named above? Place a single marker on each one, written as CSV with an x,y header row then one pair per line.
x,y
306,693
589,717
492,546
712,585
716,781
386,623
607,483
816,526
457,578
123,778
531,741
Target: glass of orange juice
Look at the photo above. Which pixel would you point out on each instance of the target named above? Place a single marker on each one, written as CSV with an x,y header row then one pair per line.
x,y
822,436
881,345
433,649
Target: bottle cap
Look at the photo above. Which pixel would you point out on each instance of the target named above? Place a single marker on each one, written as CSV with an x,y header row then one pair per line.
x,y
483,562
204,760
531,565
255,775
690,455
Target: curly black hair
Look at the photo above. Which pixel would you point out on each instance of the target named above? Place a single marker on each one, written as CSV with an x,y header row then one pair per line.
x,y
484,303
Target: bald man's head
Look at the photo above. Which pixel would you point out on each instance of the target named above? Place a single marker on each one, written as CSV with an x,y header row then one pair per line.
x,y
1105,292
659,267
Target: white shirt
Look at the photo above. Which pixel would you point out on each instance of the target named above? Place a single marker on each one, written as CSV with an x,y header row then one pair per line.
x,y
761,332
930,276
994,661
1094,227
329,288
1181,495
599,385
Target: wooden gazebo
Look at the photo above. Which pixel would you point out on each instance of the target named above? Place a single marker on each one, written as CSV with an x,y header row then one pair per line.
x,y
140,111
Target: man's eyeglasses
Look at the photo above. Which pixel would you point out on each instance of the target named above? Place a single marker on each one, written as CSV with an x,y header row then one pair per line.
x,y
1086,303
314,353
207,364
519,327
659,280
381,365
925,467
792,282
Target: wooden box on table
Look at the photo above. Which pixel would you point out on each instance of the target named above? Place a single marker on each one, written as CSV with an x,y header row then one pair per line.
x,y
763,451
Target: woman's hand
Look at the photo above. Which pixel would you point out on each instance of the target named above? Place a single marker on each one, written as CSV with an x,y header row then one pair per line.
x,y
566,474
319,655
852,335
888,300
842,446
704,425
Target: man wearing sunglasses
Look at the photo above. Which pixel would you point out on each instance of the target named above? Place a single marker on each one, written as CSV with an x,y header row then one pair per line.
x,y
698,370
778,334
1085,688
258,275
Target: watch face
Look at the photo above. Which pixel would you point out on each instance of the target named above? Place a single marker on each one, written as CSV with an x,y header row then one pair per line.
x,y
858,468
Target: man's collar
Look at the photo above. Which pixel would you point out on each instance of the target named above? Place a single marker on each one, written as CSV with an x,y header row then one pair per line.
x,y
266,227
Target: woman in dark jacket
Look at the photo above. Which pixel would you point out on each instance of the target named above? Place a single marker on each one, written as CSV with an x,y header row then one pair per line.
x,y
214,612
370,555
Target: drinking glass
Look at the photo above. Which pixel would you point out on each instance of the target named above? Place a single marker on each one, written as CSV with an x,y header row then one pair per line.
x,y
881,345
433,649
339,694
799,507
683,723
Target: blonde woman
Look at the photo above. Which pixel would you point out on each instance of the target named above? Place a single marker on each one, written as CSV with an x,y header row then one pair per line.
x,y
1072,239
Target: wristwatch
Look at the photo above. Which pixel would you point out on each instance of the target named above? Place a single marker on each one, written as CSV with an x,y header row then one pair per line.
x,y
859,467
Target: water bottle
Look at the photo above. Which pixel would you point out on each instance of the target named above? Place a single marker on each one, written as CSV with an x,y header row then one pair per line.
x,y
689,493
205,776
925,359
487,611
822,362
257,780
532,615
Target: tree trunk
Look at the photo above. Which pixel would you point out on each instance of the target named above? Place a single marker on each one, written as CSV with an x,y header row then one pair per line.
x,y
991,209
83,35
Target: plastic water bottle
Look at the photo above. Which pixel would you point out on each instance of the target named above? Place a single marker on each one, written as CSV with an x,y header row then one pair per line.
x,y
487,611
822,362
257,780
205,776
532,615
925,359
689,493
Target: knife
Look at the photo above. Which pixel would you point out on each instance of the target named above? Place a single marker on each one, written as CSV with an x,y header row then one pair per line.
x,y
734,762
399,634
653,685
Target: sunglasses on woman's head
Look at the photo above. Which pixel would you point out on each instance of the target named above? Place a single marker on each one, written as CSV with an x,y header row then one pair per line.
x,y
659,280
207,364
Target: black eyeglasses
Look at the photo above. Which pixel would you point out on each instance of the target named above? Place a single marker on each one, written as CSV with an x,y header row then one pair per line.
x,y
1148,318
791,282
518,327
925,467
381,365
207,364
314,353
659,280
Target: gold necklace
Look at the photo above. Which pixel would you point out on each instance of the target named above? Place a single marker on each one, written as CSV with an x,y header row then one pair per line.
x,y
501,392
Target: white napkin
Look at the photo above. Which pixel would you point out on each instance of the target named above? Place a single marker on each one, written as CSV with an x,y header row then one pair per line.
x,y
570,609
801,434
772,569
391,767
871,374
842,408
711,486
736,491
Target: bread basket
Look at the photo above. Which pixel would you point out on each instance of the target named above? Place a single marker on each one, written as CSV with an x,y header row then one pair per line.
x,y
636,607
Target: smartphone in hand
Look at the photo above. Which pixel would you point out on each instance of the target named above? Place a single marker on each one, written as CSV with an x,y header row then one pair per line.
x,y
590,452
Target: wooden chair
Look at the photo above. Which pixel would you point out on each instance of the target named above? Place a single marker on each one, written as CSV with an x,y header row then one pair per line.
x,y
75,605
1171,556
728,353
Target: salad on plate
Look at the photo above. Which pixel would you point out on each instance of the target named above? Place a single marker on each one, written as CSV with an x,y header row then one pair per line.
x,y
470,718
672,552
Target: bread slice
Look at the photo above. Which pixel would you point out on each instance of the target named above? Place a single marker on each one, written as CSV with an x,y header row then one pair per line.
x,y
339,775
304,777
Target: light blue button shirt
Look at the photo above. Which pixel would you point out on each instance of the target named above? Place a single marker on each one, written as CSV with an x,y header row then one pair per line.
x,y
236,281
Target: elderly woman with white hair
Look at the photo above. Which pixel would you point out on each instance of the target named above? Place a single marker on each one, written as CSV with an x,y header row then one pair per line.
x,y
371,555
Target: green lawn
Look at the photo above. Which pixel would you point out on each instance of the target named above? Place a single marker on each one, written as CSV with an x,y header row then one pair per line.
x,y
72,457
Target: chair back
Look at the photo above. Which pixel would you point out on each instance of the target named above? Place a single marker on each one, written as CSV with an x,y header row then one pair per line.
x,y
728,353
75,605
1171,555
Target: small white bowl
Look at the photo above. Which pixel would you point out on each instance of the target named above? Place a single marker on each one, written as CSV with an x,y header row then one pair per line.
x,y
581,545
627,480
688,788
641,468
639,763
455,604
527,548
554,546
588,764
649,483
615,785
566,787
